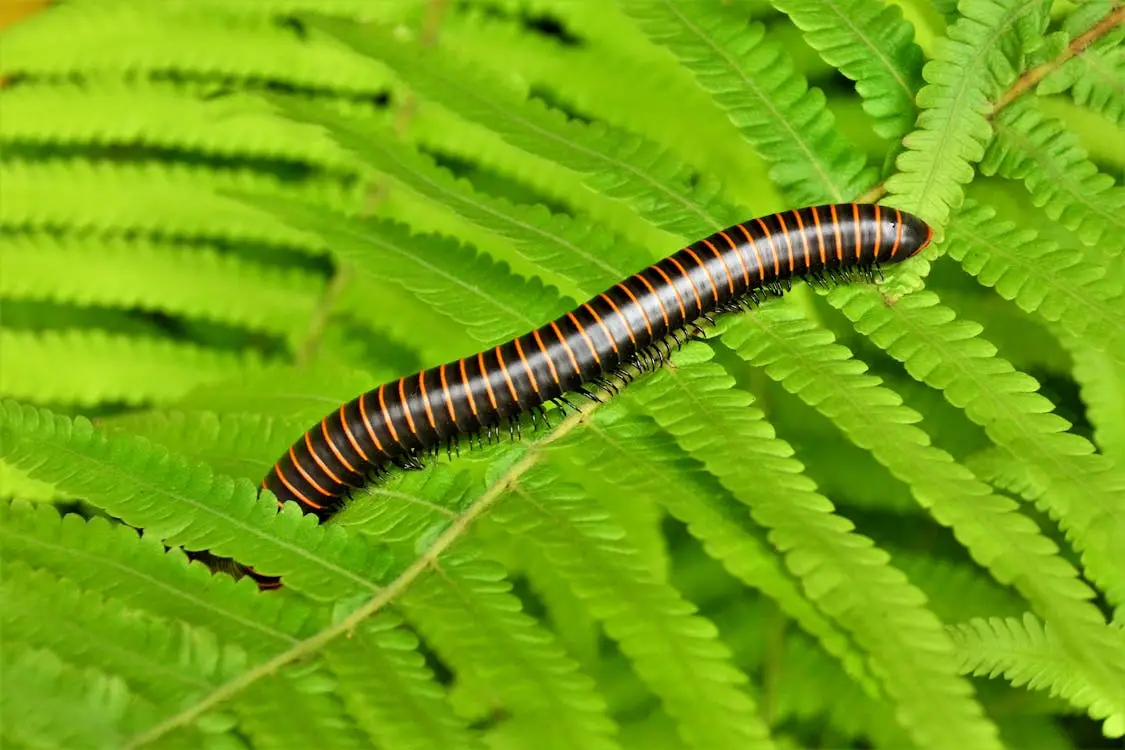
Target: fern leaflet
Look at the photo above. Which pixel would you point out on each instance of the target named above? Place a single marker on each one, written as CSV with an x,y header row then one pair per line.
x,y
1026,652
844,573
971,66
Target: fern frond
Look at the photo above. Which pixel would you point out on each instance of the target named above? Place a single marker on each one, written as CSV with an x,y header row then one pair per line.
x,y
620,165
550,244
98,708
140,572
1094,78
805,361
466,612
1040,151
184,503
162,116
649,94
239,445
1083,490
873,45
809,688
154,199
117,39
754,83
1026,652
631,454
957,589
480,294
196,282
436,130
673,649
1101,378
1057,284
842,572
297,707
388,688
41,367
15,483
157,660
971,66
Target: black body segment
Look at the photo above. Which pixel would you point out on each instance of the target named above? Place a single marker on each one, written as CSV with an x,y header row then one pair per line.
x,y
628,324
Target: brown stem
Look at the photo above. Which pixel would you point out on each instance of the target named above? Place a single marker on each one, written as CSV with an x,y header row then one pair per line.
x,y
1076,47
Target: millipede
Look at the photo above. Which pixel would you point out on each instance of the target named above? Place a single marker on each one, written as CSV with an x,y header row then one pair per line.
x,y
602,344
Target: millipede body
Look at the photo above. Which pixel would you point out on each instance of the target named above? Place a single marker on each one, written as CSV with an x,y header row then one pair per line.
x,y
630,325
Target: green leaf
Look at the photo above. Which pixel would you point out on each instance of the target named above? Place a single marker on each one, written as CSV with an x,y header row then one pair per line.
x,y
185,503
673,649
114,368
1026,652
848,577
972,64
873,45
754,83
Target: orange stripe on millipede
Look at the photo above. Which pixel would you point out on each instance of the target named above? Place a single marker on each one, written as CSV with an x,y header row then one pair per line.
x,y
332,447
323,466
367,423
348,430
898,232
773,248
547,356
569,351
426,400
754,246
624,320
878,232
637,302
386,415
663,309
487,382
858,230
804,237
468,390
741,260
308,477
527,366
694,291
717,254
300,495
582,331
507,378
837,233
820,237
406,406
788,242
447,395
672,284
598,318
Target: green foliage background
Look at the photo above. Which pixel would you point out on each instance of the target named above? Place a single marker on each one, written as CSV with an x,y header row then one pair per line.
x,y
874,517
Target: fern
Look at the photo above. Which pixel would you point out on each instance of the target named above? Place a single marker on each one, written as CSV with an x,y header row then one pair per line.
x,y
970,67
1040,277
99,198
673,650
874,47
143,485
126,369
1053,166
781,539
171,278
837,570
1027,653
615,163
757,89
